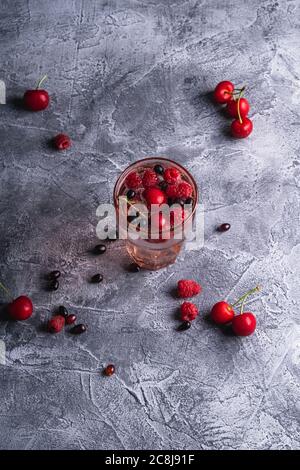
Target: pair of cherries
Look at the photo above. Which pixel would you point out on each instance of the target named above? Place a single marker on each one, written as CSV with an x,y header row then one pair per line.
x,y
243,324
236,106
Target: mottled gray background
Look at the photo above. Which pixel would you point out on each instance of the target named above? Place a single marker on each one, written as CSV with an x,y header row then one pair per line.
x,y
127,79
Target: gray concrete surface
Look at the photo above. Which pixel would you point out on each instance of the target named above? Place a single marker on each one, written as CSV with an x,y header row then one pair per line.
x,y
128,79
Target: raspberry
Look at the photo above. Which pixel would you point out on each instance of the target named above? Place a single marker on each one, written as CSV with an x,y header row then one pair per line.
x,y
188,311
171,175
184,190
188,288
62,141
171,191
149,178
133,180
56,324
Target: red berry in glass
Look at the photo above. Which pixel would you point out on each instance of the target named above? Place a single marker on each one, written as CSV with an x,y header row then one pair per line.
x,y
172,175
223,92
243,129
244,324
232,108
222,312
37,100
154,196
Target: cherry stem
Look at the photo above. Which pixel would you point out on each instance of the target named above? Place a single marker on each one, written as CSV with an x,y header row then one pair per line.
x,y
41,81
244,297
6,290
238,104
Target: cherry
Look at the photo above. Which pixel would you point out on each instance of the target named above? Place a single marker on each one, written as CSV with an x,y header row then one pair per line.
x,y
154,196
109,370
70,319
222,313
37,100
223,92
21,308
62,141
244,324
240,130
232,108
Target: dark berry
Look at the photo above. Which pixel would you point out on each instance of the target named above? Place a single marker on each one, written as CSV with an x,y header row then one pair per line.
x,y
97,278
134,268
78,329
109,370
63,311
184,326
159,169
130,194
54,274
70,319
179,201
163,185
54,285
99,249
170,201
189,200
224,227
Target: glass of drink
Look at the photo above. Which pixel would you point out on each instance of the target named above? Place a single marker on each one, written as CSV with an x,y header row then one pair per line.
x,y
155,201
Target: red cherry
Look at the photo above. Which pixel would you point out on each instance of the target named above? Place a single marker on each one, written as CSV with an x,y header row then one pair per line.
x,y
155,196
232,108
241,130
223,92
36,100
62,141
222,312
244,324
21,308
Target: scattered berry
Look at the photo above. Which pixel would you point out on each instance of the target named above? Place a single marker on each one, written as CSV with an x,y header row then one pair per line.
x,y
188,311
133,180
134,268
184,326
159,169
184,190
222,313
149,178
70,319
154,196
99,249
172,175
54,275
63,311
224,227
244,324
78,329
109,370
62,141
130,194
223,92
37,100
240,130
56,324
232,108
54,285
188,288
97,278
21,308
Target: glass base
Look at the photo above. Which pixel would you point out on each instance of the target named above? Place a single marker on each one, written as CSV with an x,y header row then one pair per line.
x,y
153,256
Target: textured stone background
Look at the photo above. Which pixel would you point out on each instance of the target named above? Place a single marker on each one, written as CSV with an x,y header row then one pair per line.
x,y
132,78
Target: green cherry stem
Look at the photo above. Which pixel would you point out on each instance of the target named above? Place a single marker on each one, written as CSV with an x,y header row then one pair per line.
x,y
238,104
244,297
41,81
6,290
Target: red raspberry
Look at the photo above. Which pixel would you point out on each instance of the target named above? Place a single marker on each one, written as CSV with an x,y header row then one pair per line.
x,y
171,175
171,191
184,190
188,311
62,141
149,178
133,180
56,324
188,288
